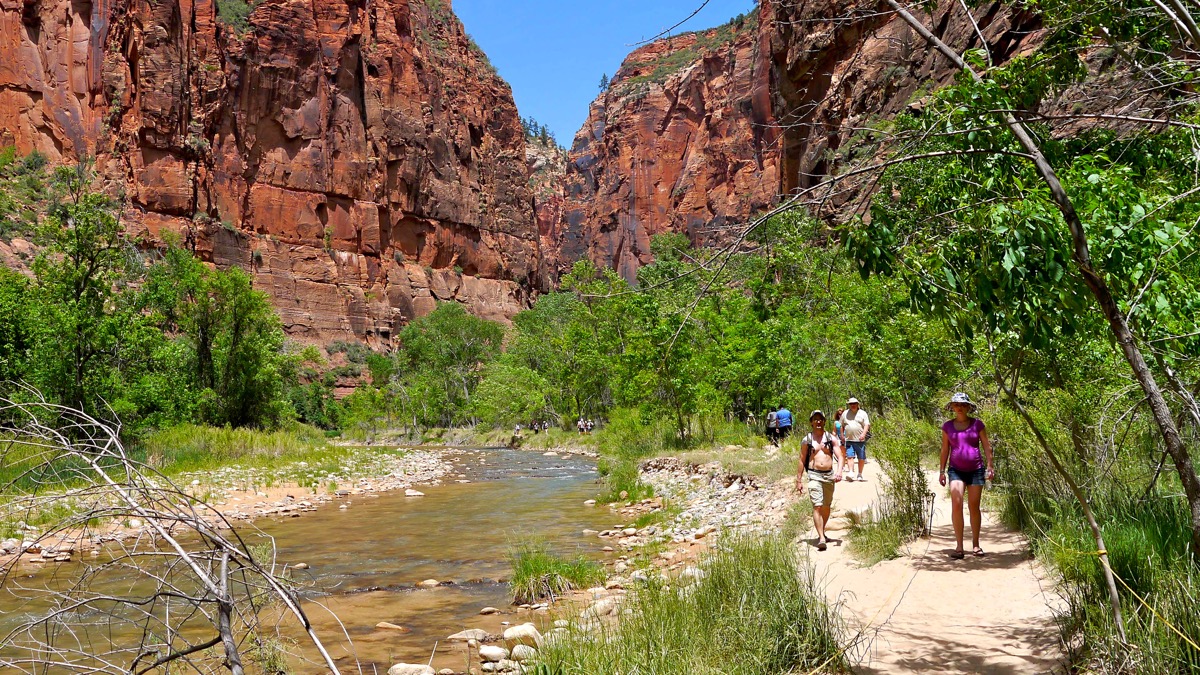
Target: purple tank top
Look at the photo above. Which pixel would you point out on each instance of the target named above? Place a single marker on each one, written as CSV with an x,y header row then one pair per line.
x,y
964,445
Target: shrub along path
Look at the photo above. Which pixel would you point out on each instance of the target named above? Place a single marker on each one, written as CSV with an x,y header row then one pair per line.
x,y
931,614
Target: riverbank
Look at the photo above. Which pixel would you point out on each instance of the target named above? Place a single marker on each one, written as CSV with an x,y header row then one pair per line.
x,y
235,492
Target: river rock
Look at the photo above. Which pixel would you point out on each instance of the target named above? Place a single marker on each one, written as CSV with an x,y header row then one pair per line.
x,y
300,566
589,502
489,610
602,607
523,653
429,583
469,634
411,669
10,546
446,671
384,625
524,634
413,493
492,653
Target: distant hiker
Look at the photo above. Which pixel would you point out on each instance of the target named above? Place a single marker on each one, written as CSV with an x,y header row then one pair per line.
x,y
772,428
821,457
962,438
783,417
856,426
580,425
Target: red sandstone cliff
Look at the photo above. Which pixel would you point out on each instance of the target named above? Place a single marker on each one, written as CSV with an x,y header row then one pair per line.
x,y
699,132
839,66
361,158
683,140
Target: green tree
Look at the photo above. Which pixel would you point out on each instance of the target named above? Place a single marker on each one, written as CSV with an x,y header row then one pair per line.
x,y
440,362
73,315
511,394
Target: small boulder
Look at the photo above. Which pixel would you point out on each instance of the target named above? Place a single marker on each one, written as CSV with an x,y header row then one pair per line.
x,y
523,634
413,493
523,653
384,625
429,583
468,635
489,610
492,653
411,669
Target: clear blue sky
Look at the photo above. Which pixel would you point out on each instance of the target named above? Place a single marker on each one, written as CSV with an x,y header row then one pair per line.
x,y
553,52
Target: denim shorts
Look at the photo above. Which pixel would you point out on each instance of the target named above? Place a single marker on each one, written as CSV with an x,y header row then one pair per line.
x,y
976,477
856,449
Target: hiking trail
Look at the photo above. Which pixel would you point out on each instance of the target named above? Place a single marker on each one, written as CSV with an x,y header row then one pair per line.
x,y
928,613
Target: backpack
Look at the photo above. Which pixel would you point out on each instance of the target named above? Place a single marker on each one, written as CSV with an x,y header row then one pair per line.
x,y
772,420
808,447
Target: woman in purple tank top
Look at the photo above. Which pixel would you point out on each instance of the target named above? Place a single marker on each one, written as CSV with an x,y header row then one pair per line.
x,y
962,439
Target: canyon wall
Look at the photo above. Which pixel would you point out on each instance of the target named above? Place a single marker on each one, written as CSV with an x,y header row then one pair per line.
x,y
840,67
683,140
362,159
700,132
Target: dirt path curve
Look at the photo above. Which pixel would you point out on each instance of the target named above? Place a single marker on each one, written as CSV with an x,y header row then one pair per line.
x,y
932,614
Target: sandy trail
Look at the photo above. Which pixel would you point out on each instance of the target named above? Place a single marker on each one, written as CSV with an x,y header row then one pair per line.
x,y
932,614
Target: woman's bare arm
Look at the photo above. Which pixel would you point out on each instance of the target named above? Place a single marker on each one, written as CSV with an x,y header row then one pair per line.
x,y
987,449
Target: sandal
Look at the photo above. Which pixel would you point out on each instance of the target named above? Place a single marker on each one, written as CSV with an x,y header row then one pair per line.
x,y
978,552
821,546
958,555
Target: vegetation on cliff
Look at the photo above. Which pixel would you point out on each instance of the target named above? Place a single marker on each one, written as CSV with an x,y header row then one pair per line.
x,y
152,338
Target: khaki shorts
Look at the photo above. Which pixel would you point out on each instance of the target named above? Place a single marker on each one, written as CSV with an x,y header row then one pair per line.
x,y
820,487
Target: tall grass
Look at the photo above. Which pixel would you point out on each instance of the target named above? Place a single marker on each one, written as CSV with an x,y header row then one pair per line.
x,y
189,447
899,445
1146,533
627,439
537,573
754,611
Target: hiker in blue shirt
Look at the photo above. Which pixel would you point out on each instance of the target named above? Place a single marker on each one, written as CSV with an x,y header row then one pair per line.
x,y
783,418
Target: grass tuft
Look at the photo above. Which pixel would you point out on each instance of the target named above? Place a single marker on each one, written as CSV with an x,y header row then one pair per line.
x,y
754,611
538,573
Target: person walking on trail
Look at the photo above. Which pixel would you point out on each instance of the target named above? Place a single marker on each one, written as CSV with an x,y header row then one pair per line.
x,y
772,428
821,459
856,425
962,439
783,417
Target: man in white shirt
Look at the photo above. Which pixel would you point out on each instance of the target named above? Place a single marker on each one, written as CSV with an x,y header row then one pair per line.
x,y
856,424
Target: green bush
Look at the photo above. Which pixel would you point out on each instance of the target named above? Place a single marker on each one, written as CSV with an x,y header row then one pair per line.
x,y
899,442
235,14
755,610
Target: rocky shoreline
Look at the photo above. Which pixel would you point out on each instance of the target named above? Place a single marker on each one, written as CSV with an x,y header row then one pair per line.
x,y
698,503
235,493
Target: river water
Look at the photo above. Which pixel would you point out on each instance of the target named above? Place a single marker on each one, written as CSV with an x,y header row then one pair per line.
x,y
365,561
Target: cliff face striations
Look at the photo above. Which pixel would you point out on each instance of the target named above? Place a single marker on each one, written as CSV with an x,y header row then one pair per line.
x,y
683,140
841,66
698,133
361,159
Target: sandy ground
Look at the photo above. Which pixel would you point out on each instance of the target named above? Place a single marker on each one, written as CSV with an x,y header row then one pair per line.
x,y
927,613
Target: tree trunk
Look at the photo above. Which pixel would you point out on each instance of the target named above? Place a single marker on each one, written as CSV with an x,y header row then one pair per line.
x,y
1099,289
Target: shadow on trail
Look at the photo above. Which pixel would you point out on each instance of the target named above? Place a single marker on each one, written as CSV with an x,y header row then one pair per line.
x,y
958,652
1003,550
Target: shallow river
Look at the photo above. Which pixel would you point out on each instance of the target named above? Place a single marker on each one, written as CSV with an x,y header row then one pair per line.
x,y
365,561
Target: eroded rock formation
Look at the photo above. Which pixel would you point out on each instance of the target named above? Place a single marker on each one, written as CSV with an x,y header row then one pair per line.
x,y
683,140
842,66
362,159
